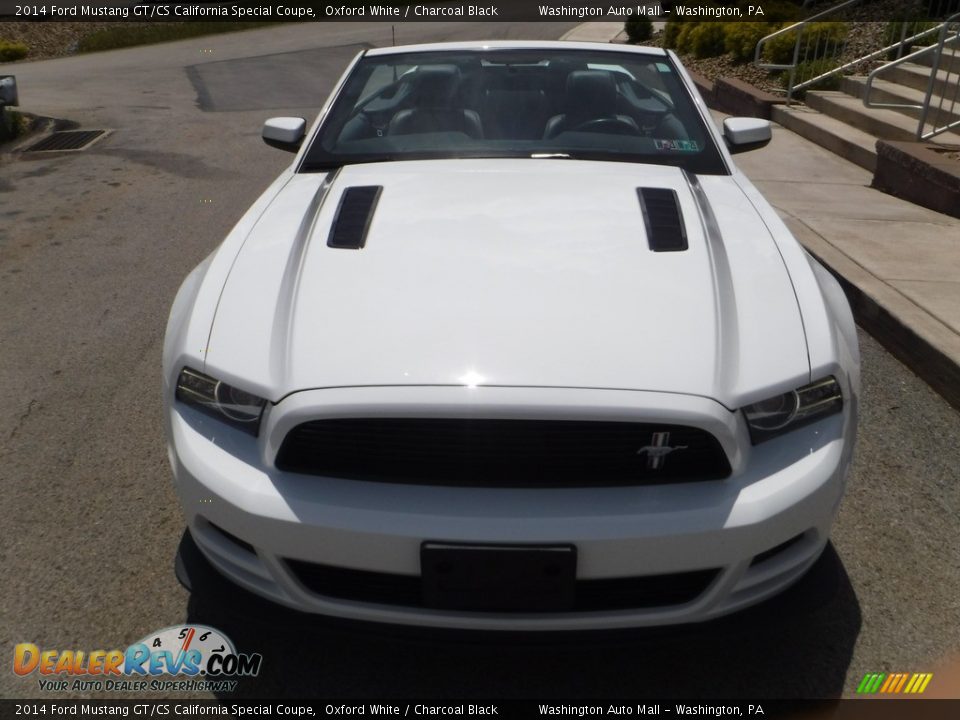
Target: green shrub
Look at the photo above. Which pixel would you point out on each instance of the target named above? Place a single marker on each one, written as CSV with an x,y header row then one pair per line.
x,y
741,38
683,42
893,32
639,30
812,68
10,51
671,31
816,41
700,39
776,11
706,39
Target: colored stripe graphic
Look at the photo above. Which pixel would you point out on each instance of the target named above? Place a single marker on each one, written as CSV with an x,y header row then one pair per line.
x,y
891,683
922,682
867,683
897,682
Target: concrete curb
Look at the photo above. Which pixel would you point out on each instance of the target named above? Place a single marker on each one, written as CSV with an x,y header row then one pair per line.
x,y
908,332
918,173
735,97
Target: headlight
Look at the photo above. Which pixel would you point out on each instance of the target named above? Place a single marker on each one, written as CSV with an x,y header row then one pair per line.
x,y
783,413
231,405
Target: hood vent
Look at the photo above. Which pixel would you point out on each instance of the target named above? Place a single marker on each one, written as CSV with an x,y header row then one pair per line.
x,y
354,213
661,215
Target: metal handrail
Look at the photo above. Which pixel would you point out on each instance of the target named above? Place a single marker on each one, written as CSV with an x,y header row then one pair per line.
x,y
871,56
937,51
799,27
758,52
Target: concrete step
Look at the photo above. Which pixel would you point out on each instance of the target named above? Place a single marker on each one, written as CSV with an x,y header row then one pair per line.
x,y
943,110
916,76
883,124
950,57
848,142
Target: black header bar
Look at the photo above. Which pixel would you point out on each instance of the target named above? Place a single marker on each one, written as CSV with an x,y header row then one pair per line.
x,y
455,10
176,709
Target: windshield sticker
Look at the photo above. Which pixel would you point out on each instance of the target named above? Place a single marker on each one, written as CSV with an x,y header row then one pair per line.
x,y
681,145
663,67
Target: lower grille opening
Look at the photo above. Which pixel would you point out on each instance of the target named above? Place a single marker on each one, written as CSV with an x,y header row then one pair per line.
x,y
627,593
768,554
644,591
360,585
502,453
232,538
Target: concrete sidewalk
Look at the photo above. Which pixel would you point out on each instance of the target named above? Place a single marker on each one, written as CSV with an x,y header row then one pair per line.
x,y
595,32
899,263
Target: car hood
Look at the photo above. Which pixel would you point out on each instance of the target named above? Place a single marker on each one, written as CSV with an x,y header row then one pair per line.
x,y
522,272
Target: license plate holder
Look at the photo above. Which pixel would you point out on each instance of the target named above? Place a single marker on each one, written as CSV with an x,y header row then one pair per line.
x,y
492,578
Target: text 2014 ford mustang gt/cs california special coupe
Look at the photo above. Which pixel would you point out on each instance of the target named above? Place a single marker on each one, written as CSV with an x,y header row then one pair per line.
x,y
512,344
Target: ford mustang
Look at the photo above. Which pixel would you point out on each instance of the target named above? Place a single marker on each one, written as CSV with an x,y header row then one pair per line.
x,y
512,344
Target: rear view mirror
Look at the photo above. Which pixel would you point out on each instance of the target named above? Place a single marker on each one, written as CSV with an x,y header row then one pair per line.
x,y
284,133
745,133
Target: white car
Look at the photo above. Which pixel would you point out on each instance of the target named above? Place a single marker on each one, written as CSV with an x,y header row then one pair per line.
x,y
512,344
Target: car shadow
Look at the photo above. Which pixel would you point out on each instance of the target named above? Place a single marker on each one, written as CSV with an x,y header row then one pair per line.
x,y
796,645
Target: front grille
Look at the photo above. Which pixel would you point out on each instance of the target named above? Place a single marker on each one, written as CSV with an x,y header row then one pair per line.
x,y
627,593
502,453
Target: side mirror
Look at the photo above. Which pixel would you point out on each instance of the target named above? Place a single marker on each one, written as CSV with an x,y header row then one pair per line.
x,y
8,90
745,133
284,133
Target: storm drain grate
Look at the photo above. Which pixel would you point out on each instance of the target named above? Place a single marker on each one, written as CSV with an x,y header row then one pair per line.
x,y
66,140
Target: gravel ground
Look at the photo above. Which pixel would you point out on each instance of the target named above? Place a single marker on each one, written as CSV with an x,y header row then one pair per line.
x,y
724,66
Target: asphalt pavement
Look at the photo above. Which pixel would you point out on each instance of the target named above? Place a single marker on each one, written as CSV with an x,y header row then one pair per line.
x,y
93,246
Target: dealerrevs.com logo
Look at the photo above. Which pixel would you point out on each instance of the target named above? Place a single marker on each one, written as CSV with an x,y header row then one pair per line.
x,y
182,650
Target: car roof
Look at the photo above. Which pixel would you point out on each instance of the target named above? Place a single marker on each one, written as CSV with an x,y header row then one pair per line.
x,y
516,45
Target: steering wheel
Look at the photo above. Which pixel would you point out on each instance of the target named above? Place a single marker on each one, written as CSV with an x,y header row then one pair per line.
x,y
610,126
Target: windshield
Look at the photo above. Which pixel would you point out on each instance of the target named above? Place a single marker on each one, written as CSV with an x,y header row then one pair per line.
x,y
556,103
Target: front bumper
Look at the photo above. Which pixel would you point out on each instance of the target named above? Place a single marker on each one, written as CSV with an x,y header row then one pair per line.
x,y
250,520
